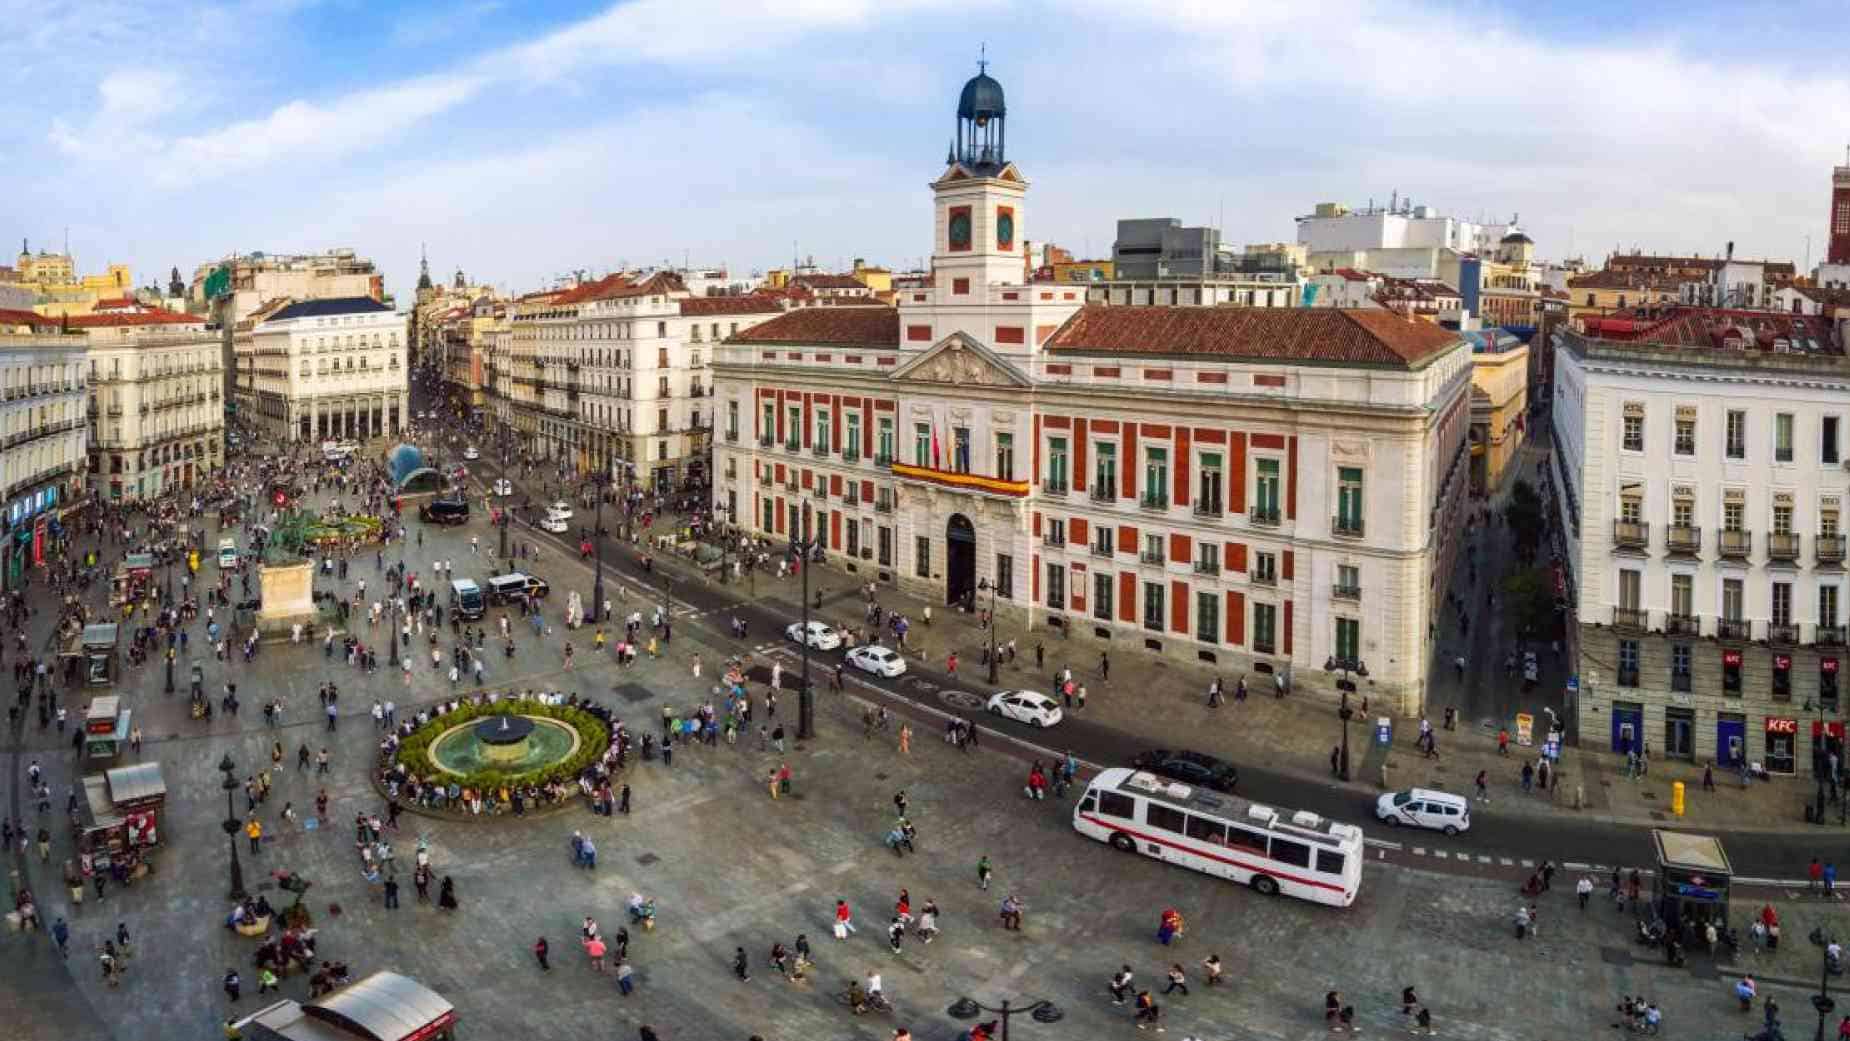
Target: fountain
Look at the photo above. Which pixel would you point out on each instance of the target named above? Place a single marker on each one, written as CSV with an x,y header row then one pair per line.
x,y
509,743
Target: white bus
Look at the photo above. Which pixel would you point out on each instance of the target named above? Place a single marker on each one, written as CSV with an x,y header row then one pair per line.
x,y
1303,856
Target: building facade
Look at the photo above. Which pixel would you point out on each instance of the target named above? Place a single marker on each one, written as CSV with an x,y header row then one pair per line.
x,y
1265,490
1499,407
325,369
1701,469
156,409
43,458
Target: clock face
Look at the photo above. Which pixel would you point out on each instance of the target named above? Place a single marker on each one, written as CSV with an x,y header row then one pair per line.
x,y
1005,230
960,230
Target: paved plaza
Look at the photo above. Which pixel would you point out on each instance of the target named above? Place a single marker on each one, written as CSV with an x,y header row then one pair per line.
x,y
729,867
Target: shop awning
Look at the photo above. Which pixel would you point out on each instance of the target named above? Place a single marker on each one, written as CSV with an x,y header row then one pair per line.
x,y
385,1007
137,782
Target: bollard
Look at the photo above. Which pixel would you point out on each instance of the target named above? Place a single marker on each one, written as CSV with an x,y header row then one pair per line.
x,y
1676,798
1384,777
1580,796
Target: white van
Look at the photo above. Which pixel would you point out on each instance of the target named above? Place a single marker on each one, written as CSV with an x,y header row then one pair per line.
x,y
227,553
466,599
1425,808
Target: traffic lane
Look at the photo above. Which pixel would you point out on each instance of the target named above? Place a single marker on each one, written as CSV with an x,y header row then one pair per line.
x,y
1781,855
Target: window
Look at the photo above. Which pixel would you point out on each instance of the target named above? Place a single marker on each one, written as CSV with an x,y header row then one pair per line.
x,y
1115,804
851,448
1679,667
1782,437
1212,832
1827,522
1827,441
1005,578
1156,477
1735,445
1297,854
1731,672
1683,512
1634,432
1265,568
960,449
1733,515
1631,507
1731,599
661,421
1104,540
1827,683
1207,617
1349,579
1005,457
821,439
1105,472
854,536
921,555
1685,443
1168,818
1349,499
1782,603
1782,520
1153,617
1153,545
1056,584
1782,677
1330,862
1056,464
1103,586
1348,639
884,446
793,428
732,420
1265,628
921,444
886,547
1243,838
1628,663
1265,490
1208,498
1827,606
1682,596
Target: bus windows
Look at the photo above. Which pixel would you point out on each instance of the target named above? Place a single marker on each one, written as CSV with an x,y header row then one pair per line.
x,y
1165,817
1212,832
1240,838
1297,854
1089,804
1114,804
1329,862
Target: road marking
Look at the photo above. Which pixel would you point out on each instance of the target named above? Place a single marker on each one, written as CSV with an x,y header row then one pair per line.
x,y
1483,860
1383,844
1441,854
1528,863
1506,862
1419,851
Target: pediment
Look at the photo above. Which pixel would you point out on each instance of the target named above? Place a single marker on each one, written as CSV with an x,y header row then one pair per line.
x,y
958,360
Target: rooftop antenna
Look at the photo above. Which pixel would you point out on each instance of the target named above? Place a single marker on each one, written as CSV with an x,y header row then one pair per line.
x,y
982,57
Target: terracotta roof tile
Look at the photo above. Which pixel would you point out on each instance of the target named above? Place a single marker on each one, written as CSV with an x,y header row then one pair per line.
x,y
1359,336
9,317
830,326
1617,279
706,305
829,282
147,316
590,290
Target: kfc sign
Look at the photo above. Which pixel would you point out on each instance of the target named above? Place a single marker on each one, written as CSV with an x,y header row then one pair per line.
x,y
1782,662
1781,726
1732,659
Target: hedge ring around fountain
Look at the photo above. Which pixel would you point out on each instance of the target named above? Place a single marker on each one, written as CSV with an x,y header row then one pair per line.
x,y
508,743
514,742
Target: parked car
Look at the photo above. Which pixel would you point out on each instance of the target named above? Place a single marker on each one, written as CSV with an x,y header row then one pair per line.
x,y
503,487
556,525
1424,808
471,453
560,509
1026,706
1196,768
821,636
881,661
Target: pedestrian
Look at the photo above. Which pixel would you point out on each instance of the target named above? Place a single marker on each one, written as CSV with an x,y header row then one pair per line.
x,y
1147,1011
739,967
446,894
61,933
983,871
1816,873
844,920
391,894
1583,890
1830,878
1120,985
1177,980
623,801
1104,666
1483,785
540,950
266,981
905,739
896,933
233,983
899,802
1708,776
1423,1021
624,974
595,950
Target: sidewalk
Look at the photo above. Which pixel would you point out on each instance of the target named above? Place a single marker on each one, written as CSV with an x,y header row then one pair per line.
x,y
1158,700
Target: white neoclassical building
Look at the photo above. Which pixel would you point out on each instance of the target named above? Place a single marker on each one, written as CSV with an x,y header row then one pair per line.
x,y
42,436
1262,489
318,369
157,414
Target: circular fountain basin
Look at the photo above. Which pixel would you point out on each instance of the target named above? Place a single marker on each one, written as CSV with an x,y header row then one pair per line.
x,y
513,744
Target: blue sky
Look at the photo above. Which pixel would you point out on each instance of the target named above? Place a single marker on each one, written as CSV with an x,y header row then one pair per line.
x,y
525,139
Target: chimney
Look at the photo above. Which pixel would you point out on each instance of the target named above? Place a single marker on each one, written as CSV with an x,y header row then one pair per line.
x,y
1730,251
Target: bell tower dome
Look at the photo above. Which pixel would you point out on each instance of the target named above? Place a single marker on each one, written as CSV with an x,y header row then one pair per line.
x,y
978,240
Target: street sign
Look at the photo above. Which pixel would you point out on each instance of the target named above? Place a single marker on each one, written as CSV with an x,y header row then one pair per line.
x,y
1573,684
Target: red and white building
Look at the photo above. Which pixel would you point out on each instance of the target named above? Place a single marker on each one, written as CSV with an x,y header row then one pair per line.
x,y
1260,489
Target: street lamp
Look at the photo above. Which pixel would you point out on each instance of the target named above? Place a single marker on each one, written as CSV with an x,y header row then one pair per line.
x,y
1822,1000
1818,759
1039,1011
600,481
170,670
985,584
230,824
1346,666
393,600
800,543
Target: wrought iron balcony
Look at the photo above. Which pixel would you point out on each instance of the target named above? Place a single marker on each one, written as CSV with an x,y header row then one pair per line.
x,y
1207,566
1264,516
1682,625
1153,558
1782,545
1635,619
1734,543
1263,578
1052,487
1734,629
1207,507
1683,538
1631,534
1052,539
1348,527
1106,492
1787,634
1828,635
1104,549
1829,549
1154,502
1343,592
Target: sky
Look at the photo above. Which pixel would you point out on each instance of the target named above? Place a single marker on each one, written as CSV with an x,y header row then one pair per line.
x,y
520,140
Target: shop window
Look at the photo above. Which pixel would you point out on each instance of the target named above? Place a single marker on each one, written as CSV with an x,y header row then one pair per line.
x,y
1827,683
1679,667
1628,663
1782,677
1731,673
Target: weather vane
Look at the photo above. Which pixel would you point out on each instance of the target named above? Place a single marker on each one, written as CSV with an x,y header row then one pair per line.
x,y
982,57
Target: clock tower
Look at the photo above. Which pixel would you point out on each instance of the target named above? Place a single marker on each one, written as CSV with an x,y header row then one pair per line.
x,y
979,234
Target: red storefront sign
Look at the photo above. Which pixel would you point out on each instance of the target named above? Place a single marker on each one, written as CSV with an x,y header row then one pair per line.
x,y
1831,727
1776,725
1782,662
1828,665
1731,659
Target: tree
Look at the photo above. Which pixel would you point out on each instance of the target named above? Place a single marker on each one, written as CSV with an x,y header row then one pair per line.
x,y
1523,513
1529,600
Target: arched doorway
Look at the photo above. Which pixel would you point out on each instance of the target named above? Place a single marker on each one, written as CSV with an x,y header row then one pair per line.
x,y
959,559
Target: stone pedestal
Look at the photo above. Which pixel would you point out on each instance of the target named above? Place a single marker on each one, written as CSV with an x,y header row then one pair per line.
x,y
288,597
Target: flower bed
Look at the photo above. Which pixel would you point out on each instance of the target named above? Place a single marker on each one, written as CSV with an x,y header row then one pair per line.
x,y
593,739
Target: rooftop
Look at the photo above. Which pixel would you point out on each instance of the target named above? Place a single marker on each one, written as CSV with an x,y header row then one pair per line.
x,y
1720,329
828,326
1342,335
1612,278
718,305
1646,261
327,308
143,316
829,282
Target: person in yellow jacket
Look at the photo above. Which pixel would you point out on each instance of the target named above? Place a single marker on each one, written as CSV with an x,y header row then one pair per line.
x,y
254,830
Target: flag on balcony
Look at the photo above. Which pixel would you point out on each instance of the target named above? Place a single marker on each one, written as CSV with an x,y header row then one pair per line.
x,y
935,463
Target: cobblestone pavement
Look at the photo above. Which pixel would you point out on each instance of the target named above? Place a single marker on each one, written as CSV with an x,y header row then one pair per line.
x,y
732,868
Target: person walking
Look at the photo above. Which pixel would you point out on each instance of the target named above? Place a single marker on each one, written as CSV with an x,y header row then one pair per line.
x,y
446,894
896,933
1213,965
61,933
233,983
1121,984
1483,786
1583,890
253,829
391,894
1177,980
739,966
1148,1011
983,872
540,950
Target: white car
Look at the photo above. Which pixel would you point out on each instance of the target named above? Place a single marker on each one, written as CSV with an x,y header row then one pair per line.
x,y
560,509
1421,808
471,453
503,487
1026,706
821,637
881,661
556,525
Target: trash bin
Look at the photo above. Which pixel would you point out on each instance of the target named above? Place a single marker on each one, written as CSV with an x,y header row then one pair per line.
x,y
1384,731
1676,798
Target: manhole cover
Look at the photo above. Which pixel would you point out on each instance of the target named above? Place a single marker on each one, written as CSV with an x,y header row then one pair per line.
x,y
962,699
647,858
633,692
1618,956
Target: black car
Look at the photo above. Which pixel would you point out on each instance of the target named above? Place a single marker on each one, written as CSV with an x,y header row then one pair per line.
x,y
445,511
1196,768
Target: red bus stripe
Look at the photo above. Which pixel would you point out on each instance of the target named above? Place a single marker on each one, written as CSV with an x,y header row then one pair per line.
x,y
1212,856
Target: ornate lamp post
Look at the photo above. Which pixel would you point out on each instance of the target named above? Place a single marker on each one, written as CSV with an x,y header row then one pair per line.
x,y
1039,1011
800,543
1822,1000
1346,666
230,824
600,480
984,584
393,600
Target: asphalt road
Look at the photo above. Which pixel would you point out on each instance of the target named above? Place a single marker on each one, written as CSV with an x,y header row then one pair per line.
x,y
1753,854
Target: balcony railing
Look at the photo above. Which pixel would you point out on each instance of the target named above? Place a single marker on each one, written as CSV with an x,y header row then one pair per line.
x,y
1682,625
1633,618
1264,516
732,436
883,459
1207,507
1343,592
1051,487
1348,527
1631,534
1152,558
819,450
1782,545
1051,539
1784,634
1733,629
1263,646
1683,538
1153,502
1205,566
766,441
850,455
1263,578
1734,543
1106,550
1104,492
883,506
1829,549
1828,635
793,446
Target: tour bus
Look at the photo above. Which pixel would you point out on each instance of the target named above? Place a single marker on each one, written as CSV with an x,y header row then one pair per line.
x,y
1302,855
